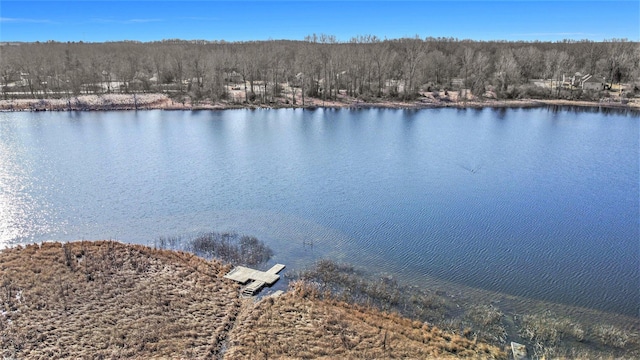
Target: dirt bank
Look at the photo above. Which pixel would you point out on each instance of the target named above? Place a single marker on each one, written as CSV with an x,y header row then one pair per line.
x,y
162,101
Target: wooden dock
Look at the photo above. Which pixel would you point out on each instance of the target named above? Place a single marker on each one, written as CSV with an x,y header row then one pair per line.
x,y
256,279
519,351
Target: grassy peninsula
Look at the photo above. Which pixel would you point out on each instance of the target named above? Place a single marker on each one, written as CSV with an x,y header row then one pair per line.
x,y
110,300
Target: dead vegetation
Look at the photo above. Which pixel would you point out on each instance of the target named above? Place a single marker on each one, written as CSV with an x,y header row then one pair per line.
x,y
545,333
300,325
555,336
487,321
229,247
549,329
611,336
106,299
110,300
149,101
89,102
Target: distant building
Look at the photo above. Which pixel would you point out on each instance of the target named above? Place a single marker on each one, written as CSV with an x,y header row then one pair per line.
x,y
24,79
394,85
457,82
584,82
234,77
595,83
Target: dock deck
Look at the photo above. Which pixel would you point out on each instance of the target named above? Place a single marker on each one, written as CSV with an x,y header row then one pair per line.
x,y
275,269
256,278
243,274
252,288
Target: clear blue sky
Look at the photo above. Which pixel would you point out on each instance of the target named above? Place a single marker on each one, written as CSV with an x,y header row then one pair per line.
x,y
96,21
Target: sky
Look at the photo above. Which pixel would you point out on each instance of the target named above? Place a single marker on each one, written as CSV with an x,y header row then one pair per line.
x,y
99,21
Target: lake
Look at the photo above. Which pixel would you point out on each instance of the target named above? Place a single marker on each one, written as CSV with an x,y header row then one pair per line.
x,y
541,203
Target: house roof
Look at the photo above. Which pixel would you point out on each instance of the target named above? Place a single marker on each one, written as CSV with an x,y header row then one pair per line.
x,y
595,79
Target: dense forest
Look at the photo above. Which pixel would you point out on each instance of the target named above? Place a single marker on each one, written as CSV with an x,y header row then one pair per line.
x,y
321,67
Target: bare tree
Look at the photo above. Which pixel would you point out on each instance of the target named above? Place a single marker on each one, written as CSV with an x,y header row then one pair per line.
x,y
383,57
530,61
178,67
319,67
412,51
556,63
435,66
507,70
481,69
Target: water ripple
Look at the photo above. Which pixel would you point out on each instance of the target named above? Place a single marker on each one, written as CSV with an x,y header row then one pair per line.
x,y
531,203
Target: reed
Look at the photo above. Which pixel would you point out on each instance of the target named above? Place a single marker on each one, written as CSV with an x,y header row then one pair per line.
x,y
225,246
545,333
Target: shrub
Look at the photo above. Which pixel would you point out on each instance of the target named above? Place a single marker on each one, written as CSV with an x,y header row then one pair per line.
x,y
410,96
611,336
488,321
533,92
365,97
508,94
544,329
228,246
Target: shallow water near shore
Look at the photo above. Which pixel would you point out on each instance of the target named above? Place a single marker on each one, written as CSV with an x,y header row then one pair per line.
x,y
539,203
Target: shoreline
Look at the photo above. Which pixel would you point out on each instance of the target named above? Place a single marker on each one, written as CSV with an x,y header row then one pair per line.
x,y
153,101
132,285
98,298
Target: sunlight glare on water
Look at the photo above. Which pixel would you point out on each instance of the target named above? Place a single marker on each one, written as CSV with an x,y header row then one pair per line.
x,y
15,205
21,213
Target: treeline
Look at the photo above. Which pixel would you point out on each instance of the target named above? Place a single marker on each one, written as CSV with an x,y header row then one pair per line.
x,y
320,67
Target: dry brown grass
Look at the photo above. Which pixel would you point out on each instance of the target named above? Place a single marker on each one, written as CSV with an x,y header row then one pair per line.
x,y
298,325
487,321
110,300
555,336
106,299
611,336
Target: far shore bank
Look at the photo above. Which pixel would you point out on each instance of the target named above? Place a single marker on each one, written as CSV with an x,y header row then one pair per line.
x,y
110,102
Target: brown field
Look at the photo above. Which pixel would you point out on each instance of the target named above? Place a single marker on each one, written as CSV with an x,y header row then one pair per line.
x,y
110,300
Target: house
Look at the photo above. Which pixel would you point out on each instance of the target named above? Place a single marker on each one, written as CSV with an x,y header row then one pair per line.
x,y
584,82
394,85
297,80
24,79
233,77
457,82
594,83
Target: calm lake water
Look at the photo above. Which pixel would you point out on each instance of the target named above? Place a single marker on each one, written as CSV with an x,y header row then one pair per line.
x,y
540,203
